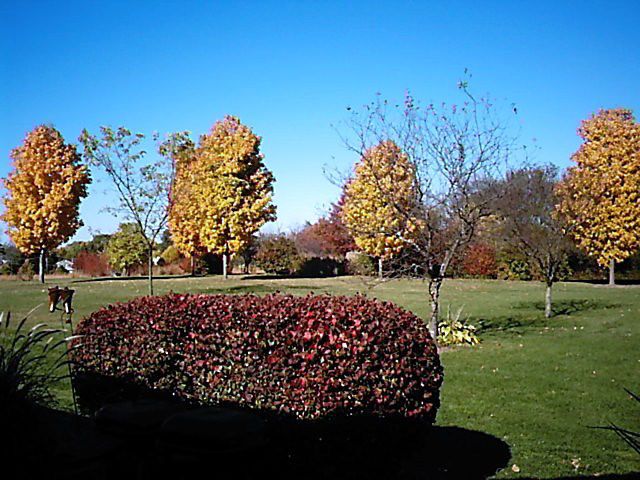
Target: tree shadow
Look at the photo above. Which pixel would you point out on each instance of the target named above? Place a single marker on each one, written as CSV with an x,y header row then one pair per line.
x,y
307,275
602,281
508,324
137,277
518,323
568,307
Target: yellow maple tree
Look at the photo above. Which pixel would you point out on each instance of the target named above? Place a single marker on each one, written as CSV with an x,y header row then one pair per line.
x,y
379,201
600,194
185,212
226,192
44,191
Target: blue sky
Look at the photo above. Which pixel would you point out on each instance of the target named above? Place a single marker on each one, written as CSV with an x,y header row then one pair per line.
x,y
289,69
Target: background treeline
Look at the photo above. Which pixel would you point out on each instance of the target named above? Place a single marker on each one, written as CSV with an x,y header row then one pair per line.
x,y
319,249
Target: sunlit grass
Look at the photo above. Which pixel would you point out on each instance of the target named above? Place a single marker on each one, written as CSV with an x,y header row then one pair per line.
x,y
536,383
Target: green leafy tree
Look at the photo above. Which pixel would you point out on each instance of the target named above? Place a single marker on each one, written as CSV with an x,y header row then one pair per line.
x,y
278,254
142,188
127,248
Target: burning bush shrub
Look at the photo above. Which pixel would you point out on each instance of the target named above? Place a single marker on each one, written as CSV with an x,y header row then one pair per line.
x,y
92,264
309,357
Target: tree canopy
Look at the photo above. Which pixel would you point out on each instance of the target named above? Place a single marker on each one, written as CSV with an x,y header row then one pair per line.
x,y
380,201
127,248
44,191
223,191
600,194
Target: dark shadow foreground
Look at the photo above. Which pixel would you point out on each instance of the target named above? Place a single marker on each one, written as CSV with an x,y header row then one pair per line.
x,y
127,442
61,445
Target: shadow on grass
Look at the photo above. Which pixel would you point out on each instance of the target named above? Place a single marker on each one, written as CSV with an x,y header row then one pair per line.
x,y
59,445
62,445
602,476
137,433
518,323
288,277
259,289
568,307
619,281
121,278
509,324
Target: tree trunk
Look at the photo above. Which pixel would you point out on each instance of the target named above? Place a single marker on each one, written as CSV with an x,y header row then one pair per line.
x,y
434,295
612,272
224,266
43,254
547,301
193,266
150,272
380,267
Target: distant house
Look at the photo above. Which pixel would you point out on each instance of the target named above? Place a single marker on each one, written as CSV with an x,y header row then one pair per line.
x,y
66,265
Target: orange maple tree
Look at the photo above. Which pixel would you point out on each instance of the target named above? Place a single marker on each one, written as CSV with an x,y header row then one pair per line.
x,y
44,191
600,195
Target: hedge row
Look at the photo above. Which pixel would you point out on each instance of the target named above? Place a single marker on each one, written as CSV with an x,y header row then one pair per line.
x,y
309,356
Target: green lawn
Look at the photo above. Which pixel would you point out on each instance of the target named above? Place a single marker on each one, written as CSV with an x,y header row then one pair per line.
x,y
537,384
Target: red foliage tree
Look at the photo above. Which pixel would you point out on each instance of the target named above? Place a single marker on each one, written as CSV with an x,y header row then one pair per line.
x,y
480,261
328,236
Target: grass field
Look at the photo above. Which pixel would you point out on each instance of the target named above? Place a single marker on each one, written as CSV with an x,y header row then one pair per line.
x,y
537,384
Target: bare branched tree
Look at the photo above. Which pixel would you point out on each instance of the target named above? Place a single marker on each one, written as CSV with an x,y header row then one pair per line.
x,y
143,189
530,224
457,153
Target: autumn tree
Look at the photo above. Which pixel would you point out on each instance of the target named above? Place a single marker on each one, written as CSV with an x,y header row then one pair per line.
x,y
600,194
185,206
530,225
44,191
328,236
378,196
231,187
454,153
142,188
127,248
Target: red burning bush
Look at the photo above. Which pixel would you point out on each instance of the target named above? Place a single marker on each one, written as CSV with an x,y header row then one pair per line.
x,y
92,264
305,356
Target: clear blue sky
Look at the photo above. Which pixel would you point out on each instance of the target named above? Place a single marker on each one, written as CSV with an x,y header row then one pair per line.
x,y
289,69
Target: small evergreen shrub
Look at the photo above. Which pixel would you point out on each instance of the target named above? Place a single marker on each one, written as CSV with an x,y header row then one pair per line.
x,y
278,255
320,267
514,269
360,264
309,357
